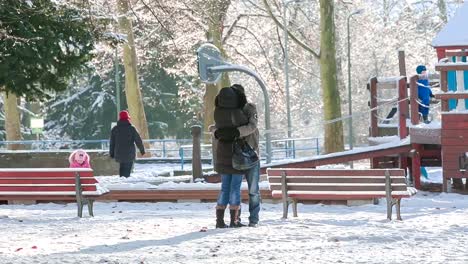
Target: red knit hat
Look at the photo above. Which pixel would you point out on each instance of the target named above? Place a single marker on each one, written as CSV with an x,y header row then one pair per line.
x,y
124,115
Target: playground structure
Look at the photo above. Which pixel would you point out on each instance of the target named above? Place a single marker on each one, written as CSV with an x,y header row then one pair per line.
x,y
442,144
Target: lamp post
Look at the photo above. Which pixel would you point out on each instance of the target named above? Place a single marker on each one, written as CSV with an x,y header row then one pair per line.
x,y
350,111
286,68
350,104
117,88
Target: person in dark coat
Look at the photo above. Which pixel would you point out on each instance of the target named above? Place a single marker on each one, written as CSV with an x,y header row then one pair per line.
x,y
227,116
124,136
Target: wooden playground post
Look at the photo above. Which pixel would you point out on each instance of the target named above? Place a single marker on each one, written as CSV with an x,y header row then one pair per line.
x,y
374,130
373,104
403,108
413,97
415,155
402,62
196,153
443,86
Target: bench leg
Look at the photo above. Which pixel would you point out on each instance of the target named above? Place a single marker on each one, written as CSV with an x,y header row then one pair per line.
x,y
285,208
294,207
398,203
80,208
389,209
90,207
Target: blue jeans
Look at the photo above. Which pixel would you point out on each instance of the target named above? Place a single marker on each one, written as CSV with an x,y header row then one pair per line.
x,y
253,177
230,190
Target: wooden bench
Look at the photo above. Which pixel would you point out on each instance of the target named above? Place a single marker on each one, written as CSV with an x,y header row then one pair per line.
x,y
291,185
49,184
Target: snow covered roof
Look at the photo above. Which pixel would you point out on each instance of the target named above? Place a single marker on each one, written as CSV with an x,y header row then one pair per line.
x,y
455,32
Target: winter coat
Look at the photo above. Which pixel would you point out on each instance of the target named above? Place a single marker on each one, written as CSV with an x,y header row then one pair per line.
x,y
124,136
424,95
250,131
73,159
228,117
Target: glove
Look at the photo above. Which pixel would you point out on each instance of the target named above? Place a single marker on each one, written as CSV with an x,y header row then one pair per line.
x,y
227,133
142,152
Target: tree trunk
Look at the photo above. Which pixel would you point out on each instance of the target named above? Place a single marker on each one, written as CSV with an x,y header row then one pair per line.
x,y
132,86
12,120
328,72
217,11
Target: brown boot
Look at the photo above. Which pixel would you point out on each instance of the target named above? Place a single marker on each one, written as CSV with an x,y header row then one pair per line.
x,y
235,221
220,218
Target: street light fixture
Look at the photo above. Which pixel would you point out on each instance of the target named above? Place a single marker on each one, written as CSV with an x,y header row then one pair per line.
x,y
350,123
286,67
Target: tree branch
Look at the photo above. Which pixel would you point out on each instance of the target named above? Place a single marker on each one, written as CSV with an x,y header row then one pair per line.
x,y
233,25
157,19
300,43
264,54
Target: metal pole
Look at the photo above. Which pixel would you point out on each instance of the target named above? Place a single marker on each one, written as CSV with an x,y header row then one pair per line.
x,y
350,111
286,69
350,101
229,68
117,88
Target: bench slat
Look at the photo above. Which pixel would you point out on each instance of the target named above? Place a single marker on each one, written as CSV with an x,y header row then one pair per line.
x,y
328,196
35,188
341,194
8,195
334,179
43,174
334,172
332,188
47,180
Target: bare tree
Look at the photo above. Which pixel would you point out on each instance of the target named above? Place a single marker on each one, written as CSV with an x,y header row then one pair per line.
x,y
12,120
132,86
328,73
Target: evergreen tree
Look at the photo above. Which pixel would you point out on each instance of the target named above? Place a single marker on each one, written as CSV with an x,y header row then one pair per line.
x,y
168,113
41,45
87,108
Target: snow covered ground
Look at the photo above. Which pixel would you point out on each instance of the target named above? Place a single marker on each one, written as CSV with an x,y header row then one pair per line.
x,y
434,230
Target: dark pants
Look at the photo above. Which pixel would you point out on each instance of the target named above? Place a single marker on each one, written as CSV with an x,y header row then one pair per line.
x,y
125,169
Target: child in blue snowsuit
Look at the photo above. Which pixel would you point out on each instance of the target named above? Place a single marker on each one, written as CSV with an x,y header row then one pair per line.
x,y
424,92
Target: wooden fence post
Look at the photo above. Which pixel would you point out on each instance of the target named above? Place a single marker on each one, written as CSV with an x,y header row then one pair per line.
x,y
196,153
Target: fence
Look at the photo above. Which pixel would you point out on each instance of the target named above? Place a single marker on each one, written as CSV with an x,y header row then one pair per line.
x,y
175,150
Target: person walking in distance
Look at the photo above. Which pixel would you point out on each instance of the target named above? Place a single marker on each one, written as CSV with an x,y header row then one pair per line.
x,y
123,138
250,133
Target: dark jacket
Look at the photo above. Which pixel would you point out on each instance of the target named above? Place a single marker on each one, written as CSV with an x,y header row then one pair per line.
x,y
124,136
227,116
